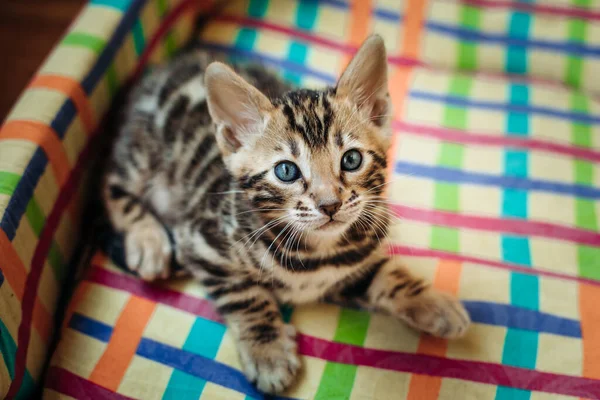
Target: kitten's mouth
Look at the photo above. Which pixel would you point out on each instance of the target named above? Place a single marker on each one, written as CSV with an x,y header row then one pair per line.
x,y
332,223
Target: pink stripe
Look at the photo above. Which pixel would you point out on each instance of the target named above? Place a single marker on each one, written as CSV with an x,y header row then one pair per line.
x,y
417,252
159,294
484,139
396,60
67,383
489,373
492,374
537,8
516,226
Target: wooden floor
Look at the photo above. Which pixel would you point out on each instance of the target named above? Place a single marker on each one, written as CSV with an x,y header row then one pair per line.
x,y
28,31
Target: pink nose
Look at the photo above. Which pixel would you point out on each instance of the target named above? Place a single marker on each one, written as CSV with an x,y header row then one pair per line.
x,y
330,209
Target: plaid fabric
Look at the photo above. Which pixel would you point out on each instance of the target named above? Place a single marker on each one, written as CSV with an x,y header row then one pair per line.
x,y
45,144
495,180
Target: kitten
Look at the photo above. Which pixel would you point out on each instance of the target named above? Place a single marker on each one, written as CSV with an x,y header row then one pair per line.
x,y
270,198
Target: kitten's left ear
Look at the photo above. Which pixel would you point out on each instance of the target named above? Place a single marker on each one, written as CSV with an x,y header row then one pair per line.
x,y
365,81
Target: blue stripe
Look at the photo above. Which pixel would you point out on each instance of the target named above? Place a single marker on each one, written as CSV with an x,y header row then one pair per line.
x,y
138,37
520,346
516,56
24,191
459,176
521,318
193,364
388,15
1,277
306,15
476,36
121,5
204,339
63,119
489,105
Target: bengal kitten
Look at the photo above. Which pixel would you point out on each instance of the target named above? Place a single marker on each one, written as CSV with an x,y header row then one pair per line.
x,y
271,196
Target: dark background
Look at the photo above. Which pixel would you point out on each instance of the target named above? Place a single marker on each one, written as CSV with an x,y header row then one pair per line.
x,y
28,31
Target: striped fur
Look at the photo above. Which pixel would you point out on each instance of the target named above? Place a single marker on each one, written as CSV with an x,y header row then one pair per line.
x,y
196,156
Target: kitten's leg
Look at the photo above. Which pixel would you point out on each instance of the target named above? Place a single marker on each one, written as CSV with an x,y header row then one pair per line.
x,y
266,345
391,288
147,246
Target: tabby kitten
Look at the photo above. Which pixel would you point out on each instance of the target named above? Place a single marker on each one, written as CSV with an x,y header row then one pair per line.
x,y
271,196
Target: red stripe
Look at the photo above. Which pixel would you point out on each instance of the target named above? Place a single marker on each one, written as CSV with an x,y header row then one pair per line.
x,y
516,226
61,204
474,371
182,301
537,8
417,252
493,374
67,383
479,138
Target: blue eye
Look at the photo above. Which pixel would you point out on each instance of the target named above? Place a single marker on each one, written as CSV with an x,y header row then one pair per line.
x,y
351,160
287,171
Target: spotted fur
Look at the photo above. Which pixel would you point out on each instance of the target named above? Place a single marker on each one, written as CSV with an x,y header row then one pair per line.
x,y
195,157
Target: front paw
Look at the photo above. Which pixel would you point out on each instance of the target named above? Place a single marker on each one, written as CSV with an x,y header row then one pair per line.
x,y
436,313
272,366
148,250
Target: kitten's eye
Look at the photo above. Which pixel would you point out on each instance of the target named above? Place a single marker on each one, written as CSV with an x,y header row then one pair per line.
x,y
287,171
351,160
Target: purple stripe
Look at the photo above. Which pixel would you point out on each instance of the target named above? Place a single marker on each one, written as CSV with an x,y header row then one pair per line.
x,y
484,139
67,383
504,225
475,371
428,253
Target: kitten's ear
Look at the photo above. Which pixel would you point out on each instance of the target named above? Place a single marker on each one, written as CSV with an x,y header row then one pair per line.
x,y
237,107
365,80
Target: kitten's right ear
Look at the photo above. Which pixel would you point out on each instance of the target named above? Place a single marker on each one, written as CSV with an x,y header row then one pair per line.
x,y
237,107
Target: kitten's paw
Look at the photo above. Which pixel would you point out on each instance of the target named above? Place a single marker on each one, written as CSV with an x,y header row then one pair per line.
x,y
436,313
148,250
272,366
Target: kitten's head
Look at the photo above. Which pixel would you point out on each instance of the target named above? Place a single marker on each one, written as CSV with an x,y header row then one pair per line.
x,y
316,159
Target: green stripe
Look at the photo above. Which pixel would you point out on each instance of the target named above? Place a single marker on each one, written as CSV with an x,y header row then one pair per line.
x,y
8,182
451,155
81,39
338,379
139,40
169,42
112,81
588,258
470,18
577,29
37,220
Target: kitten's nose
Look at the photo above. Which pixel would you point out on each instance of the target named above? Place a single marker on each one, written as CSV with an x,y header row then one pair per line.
x,y
330,209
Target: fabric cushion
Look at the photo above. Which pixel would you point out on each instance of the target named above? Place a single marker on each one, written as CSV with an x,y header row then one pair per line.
x,y
496,185
45,146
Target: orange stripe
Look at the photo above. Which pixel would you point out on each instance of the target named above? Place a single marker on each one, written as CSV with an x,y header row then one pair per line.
x,y
360,18
13,269
590,329
424,387
72,89
414,17
15,274
123,343
46,138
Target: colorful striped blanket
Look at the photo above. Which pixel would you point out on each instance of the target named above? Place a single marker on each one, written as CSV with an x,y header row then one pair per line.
x,y
494,177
